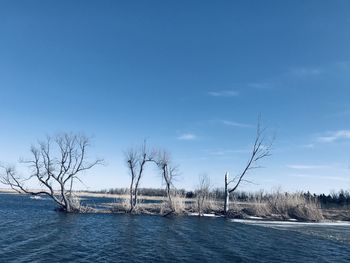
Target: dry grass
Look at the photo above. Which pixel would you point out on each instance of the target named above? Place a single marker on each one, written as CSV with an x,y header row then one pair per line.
x,y
205,205
276,205
76,205
295,206
177,205
285,206
120,207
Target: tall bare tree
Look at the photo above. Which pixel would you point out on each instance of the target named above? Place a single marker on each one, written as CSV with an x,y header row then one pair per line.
x,y
136,160
55,163
168,172
261,149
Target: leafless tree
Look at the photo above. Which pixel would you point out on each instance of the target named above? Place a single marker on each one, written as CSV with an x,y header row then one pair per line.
x,y
56,162
136,160
169,172
202,193
261,149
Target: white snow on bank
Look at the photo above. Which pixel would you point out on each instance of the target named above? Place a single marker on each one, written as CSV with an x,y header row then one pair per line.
x,y
204,215
36,197
255,217
290,223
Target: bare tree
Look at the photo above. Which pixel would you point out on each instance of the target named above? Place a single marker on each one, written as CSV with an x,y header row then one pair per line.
x,y
136,160
261,150
202,193
168,172
56,162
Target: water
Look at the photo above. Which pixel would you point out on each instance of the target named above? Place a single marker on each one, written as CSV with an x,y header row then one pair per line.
x,y
30,231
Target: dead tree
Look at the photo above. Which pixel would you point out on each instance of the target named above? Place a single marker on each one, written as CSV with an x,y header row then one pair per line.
x,y
56,163
202,194
261,150
168,172
136,160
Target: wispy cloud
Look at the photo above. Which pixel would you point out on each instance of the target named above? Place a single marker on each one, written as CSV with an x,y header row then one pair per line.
x,y
334,136
305,71
307,146
307,167
340,113
187,137
345,64
224,152
302,175
224,93
236,124
261,85
317,177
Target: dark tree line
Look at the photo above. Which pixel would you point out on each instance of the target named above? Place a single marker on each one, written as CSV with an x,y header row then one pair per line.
x,y
340,198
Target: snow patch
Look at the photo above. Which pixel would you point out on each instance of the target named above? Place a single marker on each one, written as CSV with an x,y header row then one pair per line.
x,y
290,222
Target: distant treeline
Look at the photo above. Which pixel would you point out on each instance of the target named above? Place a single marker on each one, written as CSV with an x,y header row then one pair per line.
x,y
341,197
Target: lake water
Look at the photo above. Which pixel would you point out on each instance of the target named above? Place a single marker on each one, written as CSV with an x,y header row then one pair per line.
x,y
31,231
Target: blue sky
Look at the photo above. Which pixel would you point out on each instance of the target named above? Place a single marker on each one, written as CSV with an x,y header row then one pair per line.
x,y
189,76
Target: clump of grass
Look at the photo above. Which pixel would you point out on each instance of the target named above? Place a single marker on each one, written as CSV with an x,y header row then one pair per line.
x,y
204,205
174,206
76,206
178,204
285,206
295,206
121,207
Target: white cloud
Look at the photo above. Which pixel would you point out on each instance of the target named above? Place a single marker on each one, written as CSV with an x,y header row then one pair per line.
x,y
343,64
316,177
308,146
302,72
236,124
187,137
222,152
307,167
302,175
335,136
224,93
261,85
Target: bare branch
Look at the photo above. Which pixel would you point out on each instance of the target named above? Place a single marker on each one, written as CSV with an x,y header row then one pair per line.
x,y
260,150
136,160
54,162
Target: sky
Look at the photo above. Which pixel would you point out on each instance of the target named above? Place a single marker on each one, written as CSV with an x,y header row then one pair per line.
x,y
191,77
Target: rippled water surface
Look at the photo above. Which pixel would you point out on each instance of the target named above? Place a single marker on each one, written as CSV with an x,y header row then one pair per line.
x,y
30,231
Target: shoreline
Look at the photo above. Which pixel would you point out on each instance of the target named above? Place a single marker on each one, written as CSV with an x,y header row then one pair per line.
x,y
236,214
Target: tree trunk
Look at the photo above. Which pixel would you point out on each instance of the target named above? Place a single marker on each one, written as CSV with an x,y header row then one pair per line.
x,y
169,197
227,194
135,198
131,195
136,190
